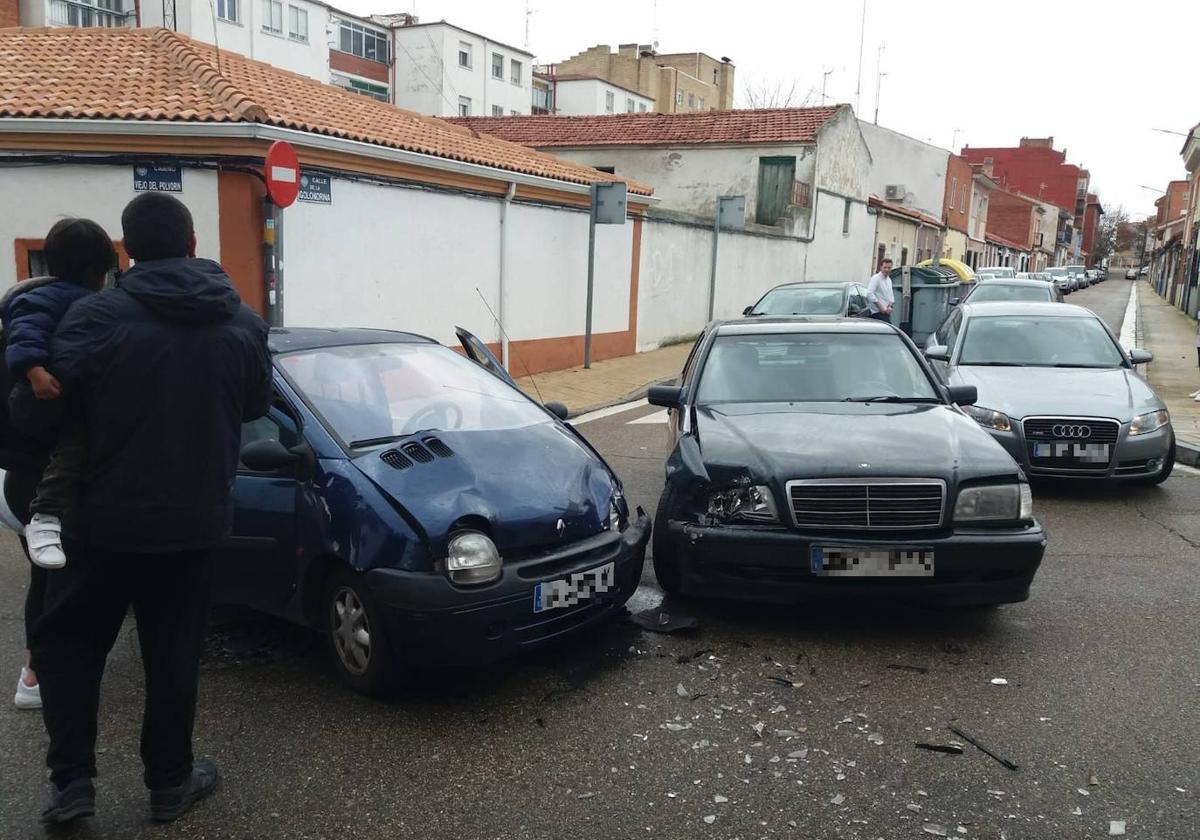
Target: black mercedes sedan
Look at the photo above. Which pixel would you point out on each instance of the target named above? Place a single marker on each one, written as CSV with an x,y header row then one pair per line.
x,y
816,459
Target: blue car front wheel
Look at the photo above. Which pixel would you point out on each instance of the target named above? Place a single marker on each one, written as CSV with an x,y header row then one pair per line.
x,y
361,651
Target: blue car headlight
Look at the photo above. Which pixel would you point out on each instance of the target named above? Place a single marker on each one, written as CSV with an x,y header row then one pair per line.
x,y
618,514
752,503
1144,424
472,558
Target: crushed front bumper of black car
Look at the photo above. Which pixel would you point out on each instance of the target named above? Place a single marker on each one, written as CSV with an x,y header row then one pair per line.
x,y
971,566
431,621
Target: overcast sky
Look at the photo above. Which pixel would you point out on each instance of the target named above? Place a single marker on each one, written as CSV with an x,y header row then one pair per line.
x,y
1096,80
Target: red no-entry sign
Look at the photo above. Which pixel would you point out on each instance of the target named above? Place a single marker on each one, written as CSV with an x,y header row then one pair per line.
x,y
282,170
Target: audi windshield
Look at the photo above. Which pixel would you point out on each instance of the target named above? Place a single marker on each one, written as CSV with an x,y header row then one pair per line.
x,y
1039,341
813,367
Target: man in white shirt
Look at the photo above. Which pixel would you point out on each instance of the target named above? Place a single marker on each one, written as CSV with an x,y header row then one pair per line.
x,y
880,297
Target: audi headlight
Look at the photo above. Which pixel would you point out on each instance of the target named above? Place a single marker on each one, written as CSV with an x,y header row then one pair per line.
x,y
988,418
753,503
618,514
1143,424
994,503
472,558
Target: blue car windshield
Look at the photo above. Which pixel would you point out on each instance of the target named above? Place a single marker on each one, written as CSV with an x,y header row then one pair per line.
x,y
797,300
812,367
376,392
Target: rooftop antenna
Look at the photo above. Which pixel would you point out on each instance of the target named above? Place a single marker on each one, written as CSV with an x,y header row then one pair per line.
x,y
825,74
528,17
862,34
654,27
954,138
879,74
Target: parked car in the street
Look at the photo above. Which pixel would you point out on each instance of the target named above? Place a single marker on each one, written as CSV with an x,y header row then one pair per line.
x,y
995,272
1131,274
416,507
1062,279
1080,275
844,299
1144,271
1057,390
1095,275
822,459
1011,290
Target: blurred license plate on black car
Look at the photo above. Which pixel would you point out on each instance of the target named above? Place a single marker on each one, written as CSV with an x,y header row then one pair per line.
x,y
842,561
1087,453
567,592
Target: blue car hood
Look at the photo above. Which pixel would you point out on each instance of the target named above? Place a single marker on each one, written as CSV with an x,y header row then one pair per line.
x,y
522,482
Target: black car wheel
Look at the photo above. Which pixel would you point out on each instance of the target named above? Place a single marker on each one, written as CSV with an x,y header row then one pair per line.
x,y
666,554
360,649
1167,467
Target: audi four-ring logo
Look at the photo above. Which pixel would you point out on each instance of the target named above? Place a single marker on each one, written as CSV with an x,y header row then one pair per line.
x,y
1062,430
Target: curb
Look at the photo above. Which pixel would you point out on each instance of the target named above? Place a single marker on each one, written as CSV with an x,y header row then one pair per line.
x,y
1187,454
632,396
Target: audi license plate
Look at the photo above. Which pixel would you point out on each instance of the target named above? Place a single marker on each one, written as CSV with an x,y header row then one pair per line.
x,y
569,591
1087,453
843,561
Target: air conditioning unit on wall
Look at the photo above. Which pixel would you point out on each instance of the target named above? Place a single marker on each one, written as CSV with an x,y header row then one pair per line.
x,y
895,192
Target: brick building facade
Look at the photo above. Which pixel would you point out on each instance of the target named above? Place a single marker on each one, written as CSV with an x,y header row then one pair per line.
x,y
677,82
1037,169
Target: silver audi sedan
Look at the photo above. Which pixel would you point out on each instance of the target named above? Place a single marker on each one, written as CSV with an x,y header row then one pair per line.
x,y
1057,390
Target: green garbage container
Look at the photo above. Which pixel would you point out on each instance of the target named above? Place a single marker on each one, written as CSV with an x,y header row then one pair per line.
x,y
927,302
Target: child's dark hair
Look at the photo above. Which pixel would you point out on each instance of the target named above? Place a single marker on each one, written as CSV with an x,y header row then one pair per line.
x,y
157,226
78,250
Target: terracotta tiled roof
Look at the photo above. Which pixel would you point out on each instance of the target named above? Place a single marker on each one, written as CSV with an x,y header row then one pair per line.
x,y
154,74
907,212
776,125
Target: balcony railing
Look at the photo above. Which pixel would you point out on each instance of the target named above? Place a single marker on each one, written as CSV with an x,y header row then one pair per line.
x,y
107,13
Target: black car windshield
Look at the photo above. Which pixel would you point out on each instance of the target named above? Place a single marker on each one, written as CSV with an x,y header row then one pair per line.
x,y
1005,291
1038,341
812,367
798,300
372,393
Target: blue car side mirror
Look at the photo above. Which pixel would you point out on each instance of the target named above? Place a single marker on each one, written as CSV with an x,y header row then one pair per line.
x,y
558,410
268,456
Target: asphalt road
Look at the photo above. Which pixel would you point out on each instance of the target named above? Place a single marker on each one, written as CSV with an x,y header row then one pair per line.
x,y
627,734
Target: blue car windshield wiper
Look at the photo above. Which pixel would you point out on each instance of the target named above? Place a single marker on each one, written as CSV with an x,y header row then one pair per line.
x,y
892,398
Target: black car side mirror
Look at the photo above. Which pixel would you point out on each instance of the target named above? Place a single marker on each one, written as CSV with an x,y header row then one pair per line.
x,y
747,310
558,410
268,456
963,394
665,396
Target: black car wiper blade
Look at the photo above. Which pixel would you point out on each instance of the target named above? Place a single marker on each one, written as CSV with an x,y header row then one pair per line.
x,y
892,398
379,441
993,364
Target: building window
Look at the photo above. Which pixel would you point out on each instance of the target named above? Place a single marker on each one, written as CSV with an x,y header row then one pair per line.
x,y
364,88
297,23
691,102
464,106
953,192
846,218
105,13
363,42
515,71
642,107
678,98
962,205
610,101
464,54
497,111
987,161
228,10
515,112
628,105
699,103
611,170
273,17
497,66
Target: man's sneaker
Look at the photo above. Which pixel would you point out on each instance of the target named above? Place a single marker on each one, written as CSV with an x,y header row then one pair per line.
x,y
77,799
171,803
28,696
43,535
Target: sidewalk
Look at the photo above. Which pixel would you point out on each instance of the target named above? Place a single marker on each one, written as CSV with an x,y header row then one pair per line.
x,y
608,382
1171,337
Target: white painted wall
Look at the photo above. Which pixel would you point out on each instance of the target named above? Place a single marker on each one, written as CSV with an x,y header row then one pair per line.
x,y
383,256
429,79
899,159
45,194
194,18
583,97
835,256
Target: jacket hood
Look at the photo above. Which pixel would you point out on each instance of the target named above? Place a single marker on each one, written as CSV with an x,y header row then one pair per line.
x,y
1020,392
851,440
521,482
18,289
189,291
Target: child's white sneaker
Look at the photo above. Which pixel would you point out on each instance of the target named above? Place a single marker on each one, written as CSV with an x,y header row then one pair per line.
x,y
28,696
43,535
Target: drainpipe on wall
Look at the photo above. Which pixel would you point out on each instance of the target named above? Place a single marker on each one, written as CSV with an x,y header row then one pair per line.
x,y
508,197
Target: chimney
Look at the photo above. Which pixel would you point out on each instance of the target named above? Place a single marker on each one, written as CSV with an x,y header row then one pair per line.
x,y
1037,142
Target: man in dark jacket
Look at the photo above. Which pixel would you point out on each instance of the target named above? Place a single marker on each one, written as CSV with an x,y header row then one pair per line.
x,y
163,369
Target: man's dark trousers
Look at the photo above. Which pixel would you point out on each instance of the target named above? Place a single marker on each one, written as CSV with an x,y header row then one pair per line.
x,y
85,605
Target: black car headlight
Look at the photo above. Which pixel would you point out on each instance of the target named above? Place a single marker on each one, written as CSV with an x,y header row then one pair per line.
x,y
1012,502
1144,424
472,557
989,418
751,503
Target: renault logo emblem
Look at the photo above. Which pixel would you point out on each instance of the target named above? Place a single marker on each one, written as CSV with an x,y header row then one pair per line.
x,y
1063,430
561,527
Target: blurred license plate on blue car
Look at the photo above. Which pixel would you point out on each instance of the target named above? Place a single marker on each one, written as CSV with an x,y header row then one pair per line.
x,y
569,591
842,561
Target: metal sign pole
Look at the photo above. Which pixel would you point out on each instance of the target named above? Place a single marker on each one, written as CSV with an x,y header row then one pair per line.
x,y
712,272
730,214
591,279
